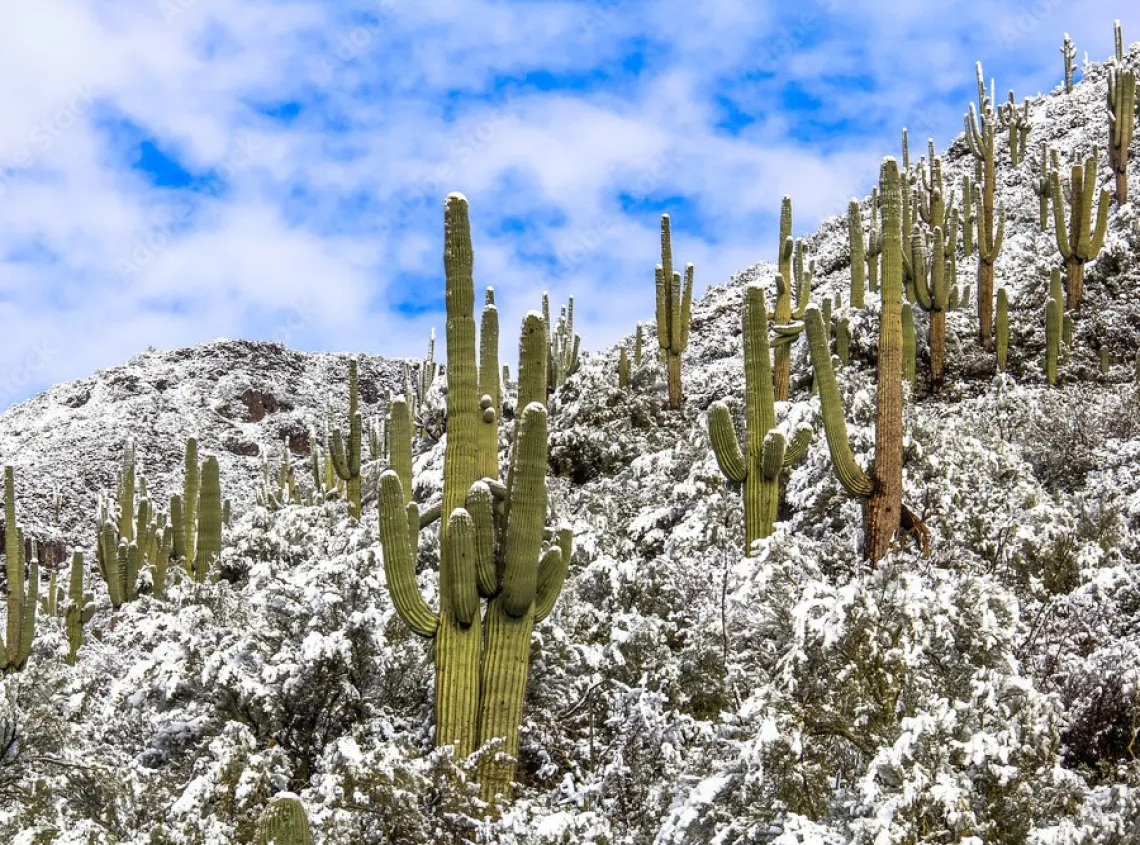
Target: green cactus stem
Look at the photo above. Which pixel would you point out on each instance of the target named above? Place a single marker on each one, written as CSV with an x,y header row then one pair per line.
x,y
562,360
637,348
346,455
209,546
490,387
782,373
1121,118
971,202
192,480
1079,241
1105,361
874,244
1042,185
909,346
858,254
623,369
1052,339
932,294
766,451
80,608
934,207
884,511
1068,53
674,313
1002,329
284,822
22,599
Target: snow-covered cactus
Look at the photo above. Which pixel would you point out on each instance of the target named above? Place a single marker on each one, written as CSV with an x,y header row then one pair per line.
x,y
346,452
980,127
623,369
1001,330
400,443
637,346
1018,125
209,545
480,682
1079,241
933,207
884,512
562,358
874,243
932,294
80,608
1069,53
22,598
674,310
284,822
766,451
1121,117
785,282
191,485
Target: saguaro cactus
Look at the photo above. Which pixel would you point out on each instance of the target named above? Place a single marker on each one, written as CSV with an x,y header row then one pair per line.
x,y
674,310
858,254
1069,53
980,137
1042,185
782,374
22,599
284,822
766,450
1002,330
80,608
346,455
1080,241
1052,339
490,386
1121,117
623,369
884,512
496,554
1018,125
564,344
932,294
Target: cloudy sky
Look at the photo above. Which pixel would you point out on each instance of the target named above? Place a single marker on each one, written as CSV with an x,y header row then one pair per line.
x,y
174,171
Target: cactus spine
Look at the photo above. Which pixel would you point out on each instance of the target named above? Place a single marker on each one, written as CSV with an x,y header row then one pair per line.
x,y
22,599
346,456
1080,241
284,822
674,310
1121,117
1069,53
884,511
980,137
766,450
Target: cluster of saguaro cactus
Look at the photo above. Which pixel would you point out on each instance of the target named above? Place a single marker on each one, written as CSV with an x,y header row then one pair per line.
x,y
495,551
1018,125
1068,53
933,282
767,451
23,594
980,126
884,512
197,515
284,822
934,207
345,452
674,309
279,489
1121,117
1079,241
562,357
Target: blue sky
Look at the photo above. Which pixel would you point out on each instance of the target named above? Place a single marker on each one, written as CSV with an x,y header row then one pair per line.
x,y
174,171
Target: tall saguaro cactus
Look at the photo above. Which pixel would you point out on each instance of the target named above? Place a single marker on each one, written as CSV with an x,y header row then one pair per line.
x,y
674,310
346,452
932,294
1069,53
782,373
766,451
858,254
980,127
493,553
23,597
1121,117
884,512
80,608
1080,241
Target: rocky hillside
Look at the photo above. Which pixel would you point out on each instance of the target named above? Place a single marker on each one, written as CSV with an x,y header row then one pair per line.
x,y
681,692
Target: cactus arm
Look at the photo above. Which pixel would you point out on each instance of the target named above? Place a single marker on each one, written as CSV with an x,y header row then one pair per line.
x,y
527,514
662,308
849,473
400,443
399,565
686,308
1059,223
489,386
459,575
551,576
723,436
798,445
480,505
1096,241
